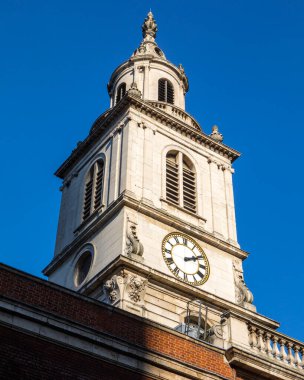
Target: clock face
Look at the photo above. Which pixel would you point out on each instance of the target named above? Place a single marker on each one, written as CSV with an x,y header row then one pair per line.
x,y
185,258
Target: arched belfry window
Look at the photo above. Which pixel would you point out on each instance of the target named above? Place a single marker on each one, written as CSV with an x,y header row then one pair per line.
x,y
121,91
93,188
165,91
180,181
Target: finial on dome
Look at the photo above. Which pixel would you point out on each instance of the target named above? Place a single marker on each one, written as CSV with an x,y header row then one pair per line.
x,y
149,27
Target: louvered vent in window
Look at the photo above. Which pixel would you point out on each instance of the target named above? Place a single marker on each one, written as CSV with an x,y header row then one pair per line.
x,y
121,91
93,189
165,91
99,184
180,181
172,191
189,190
88,194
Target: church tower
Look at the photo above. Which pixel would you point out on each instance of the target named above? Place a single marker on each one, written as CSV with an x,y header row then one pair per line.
x,y
147,219
147,280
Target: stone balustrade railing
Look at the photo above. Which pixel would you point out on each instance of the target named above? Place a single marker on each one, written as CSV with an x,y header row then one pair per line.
x,y
176,112
276,346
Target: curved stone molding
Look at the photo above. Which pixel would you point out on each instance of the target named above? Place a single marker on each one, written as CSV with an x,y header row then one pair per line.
x,y
243,296
133,245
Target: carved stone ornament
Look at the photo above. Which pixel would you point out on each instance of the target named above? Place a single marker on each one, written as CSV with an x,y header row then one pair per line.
x,y
183,77
242,294
111,289
125,287
149,27
136,288
148,45
133,245
142,49
216,135
134,91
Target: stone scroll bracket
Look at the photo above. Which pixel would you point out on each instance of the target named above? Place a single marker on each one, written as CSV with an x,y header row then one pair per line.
x,y
126,291
133,246
243,296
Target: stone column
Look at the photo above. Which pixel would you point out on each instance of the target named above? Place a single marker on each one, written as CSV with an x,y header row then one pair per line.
x,y
230,210
146,82
124,158
206,207
218,200
147,186
114,166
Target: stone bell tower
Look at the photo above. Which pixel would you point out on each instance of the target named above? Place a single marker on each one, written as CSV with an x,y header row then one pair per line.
x,y
147,220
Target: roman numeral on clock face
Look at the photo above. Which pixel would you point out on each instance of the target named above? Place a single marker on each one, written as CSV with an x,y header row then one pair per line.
x,y
176,271
170,260
200,274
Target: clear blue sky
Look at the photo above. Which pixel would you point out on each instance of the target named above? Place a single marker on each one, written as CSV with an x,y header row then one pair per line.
x,y
244,60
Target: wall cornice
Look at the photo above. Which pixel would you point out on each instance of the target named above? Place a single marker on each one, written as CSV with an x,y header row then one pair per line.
x,y
126,199
100,127
187,291
238,358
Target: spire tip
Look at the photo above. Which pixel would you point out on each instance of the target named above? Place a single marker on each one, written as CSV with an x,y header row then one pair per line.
x,y
149,27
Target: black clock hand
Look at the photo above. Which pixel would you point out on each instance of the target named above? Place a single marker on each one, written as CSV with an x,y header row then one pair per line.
x,y
194,258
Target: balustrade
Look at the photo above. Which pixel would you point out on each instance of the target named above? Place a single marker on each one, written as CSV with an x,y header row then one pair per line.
x,y
176,112
276,346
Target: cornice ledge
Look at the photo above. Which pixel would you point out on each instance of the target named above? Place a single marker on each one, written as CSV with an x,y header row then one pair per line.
x,y
82,237
161,215
240,358
157,277
97,130
174,123
99,127
173,221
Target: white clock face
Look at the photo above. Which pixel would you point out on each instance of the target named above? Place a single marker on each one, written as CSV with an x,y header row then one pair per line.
x,y
185,258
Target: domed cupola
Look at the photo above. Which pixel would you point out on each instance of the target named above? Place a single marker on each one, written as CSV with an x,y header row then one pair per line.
x,y
156,78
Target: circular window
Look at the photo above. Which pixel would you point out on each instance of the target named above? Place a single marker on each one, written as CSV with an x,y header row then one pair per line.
x,y
82,267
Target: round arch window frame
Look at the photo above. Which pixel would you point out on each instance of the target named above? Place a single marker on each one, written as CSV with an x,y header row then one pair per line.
x,y
88,167
169,90
189,157
83,250
120,92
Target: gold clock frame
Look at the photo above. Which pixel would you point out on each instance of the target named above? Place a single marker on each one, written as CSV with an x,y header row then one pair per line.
x,y
200,249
